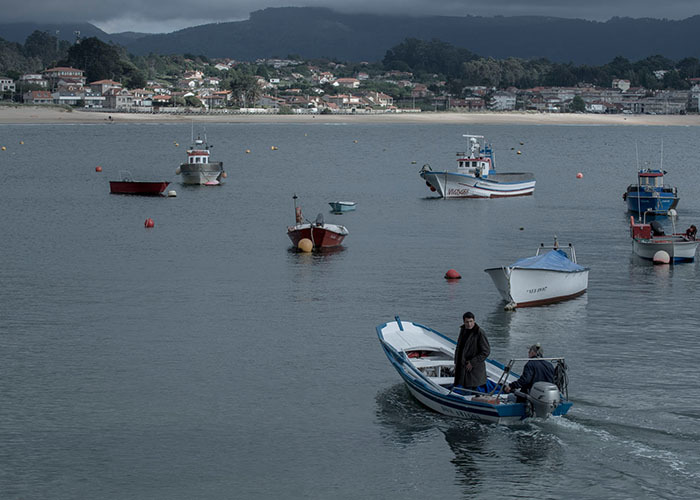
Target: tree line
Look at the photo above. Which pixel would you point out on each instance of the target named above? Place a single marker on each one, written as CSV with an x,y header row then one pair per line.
x,y
461,68
430,62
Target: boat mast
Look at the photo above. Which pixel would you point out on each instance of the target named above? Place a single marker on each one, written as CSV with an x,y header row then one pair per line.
x,y
639,183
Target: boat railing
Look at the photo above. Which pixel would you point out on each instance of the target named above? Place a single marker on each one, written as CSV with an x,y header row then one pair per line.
x,y
569,248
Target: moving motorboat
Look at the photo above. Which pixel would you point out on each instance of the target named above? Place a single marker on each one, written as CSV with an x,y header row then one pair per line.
x,y
424,358
476,175
551,275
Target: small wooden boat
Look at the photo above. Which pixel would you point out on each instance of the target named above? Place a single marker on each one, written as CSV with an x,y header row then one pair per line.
x,y
476,176
130,186
424,358
321,234
650,238
551,275
342,206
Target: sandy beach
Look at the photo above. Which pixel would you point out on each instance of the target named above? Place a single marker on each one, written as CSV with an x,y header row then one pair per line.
x,y
47,115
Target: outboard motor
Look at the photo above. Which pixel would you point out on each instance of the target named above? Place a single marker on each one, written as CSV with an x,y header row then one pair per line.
x,y
319,220
544,398
656,228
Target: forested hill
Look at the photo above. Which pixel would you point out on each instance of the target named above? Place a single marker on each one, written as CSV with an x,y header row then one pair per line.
x,y
318,32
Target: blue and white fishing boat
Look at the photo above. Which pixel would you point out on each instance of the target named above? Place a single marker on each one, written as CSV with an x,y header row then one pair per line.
x,y
476,175
551,275
342,206
425,360
650,194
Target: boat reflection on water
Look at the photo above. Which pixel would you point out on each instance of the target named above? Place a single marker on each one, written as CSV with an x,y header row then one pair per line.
x,y
317,253
469,443
479,449
407,420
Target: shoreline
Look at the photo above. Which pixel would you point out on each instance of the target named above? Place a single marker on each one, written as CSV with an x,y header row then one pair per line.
x,y
10,115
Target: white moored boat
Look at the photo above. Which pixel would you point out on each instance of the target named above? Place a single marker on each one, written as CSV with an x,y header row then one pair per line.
x,y
476,176
424,358
551,275
198,169
648,239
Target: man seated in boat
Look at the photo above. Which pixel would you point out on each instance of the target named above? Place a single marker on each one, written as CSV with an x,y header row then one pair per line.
x,y
691,232
534,371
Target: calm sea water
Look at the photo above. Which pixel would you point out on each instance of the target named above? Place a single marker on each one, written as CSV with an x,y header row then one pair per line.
x,y
204,359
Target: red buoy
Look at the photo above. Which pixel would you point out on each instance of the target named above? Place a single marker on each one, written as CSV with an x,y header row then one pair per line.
x,y
579,175
149,223
98,169
451,274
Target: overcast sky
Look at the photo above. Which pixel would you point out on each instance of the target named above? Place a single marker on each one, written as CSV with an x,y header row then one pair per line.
x,y
164,16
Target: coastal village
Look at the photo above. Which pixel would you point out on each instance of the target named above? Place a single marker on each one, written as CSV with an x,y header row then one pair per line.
x,y
287,89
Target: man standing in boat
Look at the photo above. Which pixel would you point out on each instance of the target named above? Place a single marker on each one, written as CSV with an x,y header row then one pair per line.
x,y
470,357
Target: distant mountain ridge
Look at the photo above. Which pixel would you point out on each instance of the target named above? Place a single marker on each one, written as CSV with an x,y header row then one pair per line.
x,y
18,32
313,32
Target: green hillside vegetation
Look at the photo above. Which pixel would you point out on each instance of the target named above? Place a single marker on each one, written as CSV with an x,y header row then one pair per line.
x,y
430,62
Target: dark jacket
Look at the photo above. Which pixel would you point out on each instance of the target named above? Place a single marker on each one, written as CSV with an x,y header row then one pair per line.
x,y
534,371
472,346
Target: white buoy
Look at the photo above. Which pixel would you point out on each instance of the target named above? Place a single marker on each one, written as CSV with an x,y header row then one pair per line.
x,y
672,212
662,257
172,193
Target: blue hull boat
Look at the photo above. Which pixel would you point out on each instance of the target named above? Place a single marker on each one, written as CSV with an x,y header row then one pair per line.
x,y
650,194
342,206
424,358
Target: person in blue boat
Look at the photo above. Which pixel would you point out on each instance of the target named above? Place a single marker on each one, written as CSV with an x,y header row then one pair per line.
x,y
534,371
470,356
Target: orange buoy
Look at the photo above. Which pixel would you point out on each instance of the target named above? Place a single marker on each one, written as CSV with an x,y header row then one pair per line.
x,y
451,274
98,169
149,223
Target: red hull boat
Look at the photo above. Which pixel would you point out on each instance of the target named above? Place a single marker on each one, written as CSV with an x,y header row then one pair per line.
x,y
143,188
322,235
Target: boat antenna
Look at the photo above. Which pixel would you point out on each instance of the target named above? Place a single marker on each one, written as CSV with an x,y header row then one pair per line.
x,y
295,203
192,133
639,183
662,156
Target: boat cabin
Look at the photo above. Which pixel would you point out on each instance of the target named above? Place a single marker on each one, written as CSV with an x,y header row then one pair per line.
x,y
651,180
478,161
199,153
639,229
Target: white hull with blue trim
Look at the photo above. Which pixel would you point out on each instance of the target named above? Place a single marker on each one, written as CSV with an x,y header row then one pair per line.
x,y
476,176
424,358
